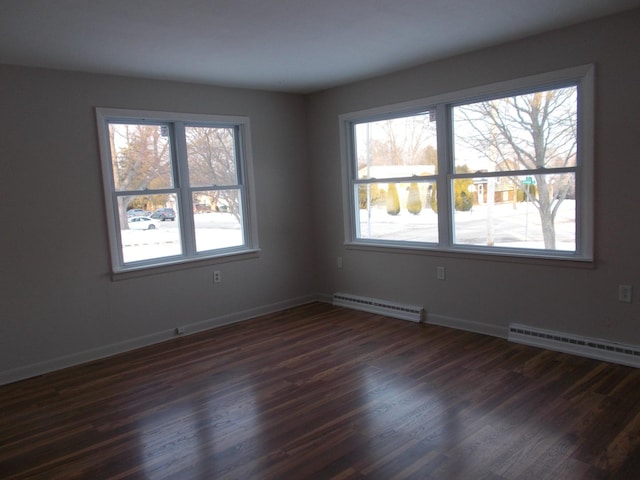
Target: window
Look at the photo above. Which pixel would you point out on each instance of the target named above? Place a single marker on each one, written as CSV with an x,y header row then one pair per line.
x,y
395,170
503,169
176,187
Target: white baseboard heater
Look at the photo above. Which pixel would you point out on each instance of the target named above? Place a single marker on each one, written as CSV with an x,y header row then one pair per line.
x,y
382,307
576,345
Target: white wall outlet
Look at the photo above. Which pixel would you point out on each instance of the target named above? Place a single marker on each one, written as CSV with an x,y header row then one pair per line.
x,y
217,278
440,273
624,293
339,262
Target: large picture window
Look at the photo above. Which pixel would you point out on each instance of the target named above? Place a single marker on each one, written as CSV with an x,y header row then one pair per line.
x,y
503,169
176,186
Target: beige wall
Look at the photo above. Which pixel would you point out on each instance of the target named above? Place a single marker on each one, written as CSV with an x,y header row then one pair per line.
x,y
481,292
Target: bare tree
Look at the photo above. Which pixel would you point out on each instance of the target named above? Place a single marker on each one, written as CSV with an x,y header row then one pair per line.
x,y
212,162
141,159
535,132
403,141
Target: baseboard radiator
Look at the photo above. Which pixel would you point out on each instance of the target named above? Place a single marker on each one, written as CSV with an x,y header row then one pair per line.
x,y
576,345
382,307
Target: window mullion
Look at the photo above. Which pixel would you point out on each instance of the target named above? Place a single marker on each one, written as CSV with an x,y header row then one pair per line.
x,y
445,165
184,192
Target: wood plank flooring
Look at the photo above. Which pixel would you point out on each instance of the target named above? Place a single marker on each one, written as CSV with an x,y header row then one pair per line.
x,y
319,392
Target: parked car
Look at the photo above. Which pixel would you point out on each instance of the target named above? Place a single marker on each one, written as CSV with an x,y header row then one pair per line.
x,y
163,214
143,223
201,208
138,212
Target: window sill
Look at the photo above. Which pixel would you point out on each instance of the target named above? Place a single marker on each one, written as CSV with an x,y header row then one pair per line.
x,y
182,264
462,254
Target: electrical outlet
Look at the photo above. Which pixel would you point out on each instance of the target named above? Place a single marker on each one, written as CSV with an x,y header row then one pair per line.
x,y
624,293
217,278
179,330
339,262
441,273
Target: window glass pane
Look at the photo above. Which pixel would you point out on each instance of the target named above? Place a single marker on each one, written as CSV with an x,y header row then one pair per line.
x,y
524,132
146,228
397,211
397,147
536,212
211,156
217,219
141,156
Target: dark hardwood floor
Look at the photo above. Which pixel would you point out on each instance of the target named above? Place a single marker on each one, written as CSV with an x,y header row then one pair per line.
x,y
324,392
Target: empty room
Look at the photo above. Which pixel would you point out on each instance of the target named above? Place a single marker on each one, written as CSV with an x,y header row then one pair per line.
x,y
324,240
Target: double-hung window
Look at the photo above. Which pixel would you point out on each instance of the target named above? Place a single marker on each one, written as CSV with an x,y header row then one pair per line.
x,y
177,187
504,169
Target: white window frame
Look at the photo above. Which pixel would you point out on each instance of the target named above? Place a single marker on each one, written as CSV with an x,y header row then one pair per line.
x,y
580,76
181,188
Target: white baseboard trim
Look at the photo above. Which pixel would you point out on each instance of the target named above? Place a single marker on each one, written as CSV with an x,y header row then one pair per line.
x,y
324,298
468,325
548,339
40,368
622,354
59,363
